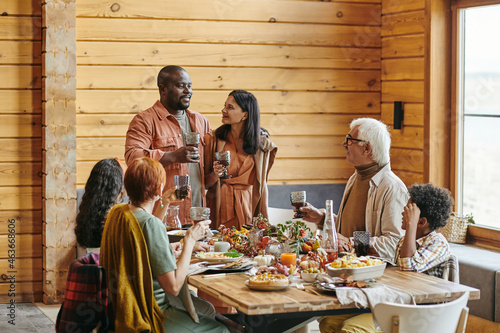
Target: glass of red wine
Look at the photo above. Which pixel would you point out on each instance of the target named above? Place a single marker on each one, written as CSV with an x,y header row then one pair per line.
x,y
224,158
298,199
181,186
193,140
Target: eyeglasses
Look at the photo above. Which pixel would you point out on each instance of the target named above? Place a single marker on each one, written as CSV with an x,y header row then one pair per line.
x,y
348,138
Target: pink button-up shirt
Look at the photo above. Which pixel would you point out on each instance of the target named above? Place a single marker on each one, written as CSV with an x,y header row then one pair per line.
x,y
155,131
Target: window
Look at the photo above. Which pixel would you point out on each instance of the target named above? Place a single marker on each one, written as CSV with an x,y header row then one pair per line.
x,y
478,86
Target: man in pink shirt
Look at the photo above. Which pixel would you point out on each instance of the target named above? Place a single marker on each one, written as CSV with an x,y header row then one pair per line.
x,y
158,132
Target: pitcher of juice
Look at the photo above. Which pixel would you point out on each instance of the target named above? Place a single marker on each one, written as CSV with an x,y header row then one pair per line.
x,y
171,220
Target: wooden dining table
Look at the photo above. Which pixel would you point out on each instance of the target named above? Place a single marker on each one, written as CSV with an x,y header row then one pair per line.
x,y
292,308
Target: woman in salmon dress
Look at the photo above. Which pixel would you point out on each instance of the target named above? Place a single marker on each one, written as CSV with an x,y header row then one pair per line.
x,y
235,201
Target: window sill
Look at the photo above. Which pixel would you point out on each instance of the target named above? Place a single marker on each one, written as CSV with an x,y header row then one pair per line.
x,y
483,236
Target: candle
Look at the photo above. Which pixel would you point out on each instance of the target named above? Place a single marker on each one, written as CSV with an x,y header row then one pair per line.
x,y
288,259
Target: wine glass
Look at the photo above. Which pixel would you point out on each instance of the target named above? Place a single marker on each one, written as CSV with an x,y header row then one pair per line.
x,y
181,186
199,214
224,158
298,199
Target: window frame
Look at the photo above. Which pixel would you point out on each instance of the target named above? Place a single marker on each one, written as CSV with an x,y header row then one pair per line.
x,y
484,236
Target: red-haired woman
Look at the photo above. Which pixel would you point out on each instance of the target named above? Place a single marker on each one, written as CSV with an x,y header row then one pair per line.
x,y
144,181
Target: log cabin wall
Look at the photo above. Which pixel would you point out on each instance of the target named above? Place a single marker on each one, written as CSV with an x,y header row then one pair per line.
x,y
313,65
58,145
20,147
403,53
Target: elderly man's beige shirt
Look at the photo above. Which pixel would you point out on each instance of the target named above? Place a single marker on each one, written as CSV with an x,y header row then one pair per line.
x,y
387,197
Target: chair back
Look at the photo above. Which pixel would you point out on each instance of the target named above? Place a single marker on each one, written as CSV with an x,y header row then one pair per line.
x,y
85,306
450,269
448,317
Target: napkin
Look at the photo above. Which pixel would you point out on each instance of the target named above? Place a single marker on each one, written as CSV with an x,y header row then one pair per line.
x,y
364,297
197,268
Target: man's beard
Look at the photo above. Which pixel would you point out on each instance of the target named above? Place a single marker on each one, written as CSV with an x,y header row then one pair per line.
x,y
182,106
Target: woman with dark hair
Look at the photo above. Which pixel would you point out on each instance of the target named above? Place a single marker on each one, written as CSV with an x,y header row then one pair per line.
x,y
234,201
103,189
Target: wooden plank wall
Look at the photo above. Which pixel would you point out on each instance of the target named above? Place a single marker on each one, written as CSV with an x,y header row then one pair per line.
x,y
403,53
59,145
20,150
313,65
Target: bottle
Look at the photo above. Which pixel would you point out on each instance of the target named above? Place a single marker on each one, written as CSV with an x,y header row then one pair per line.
x,y
329,243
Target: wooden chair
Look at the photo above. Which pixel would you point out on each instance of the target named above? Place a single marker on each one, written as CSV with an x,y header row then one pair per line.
x,y
448,317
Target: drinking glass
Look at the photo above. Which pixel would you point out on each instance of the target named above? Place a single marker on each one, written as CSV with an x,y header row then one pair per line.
x,y
361,242
181,186
298,199
224,158
199,214
193,140
274,248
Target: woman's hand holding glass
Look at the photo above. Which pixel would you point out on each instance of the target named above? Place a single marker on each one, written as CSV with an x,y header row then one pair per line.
x,y
169,196
197,231
219,169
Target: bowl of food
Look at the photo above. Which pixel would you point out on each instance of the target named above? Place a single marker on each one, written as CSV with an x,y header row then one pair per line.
x,y
175,235
362,268
308,277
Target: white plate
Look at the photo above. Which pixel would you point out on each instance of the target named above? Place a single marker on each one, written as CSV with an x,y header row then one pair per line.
x,y
359,273
206,257
183,232
176,232
267,288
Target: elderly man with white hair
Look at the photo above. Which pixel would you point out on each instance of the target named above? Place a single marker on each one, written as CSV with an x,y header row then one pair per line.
x,y
374,196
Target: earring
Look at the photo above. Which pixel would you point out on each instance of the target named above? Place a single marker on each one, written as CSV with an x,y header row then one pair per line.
x,y
161,202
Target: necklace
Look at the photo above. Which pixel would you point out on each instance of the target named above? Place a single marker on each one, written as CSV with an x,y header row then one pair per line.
x,y
138,206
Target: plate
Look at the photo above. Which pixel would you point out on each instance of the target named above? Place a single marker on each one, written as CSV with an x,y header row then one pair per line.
x,y
177,235
329,288
267,288
216,270
359,273
206,257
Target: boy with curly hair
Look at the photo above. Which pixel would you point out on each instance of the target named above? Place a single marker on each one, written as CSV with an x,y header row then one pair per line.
x,y
422,249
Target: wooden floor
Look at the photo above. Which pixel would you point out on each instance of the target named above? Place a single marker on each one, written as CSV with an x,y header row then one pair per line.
x,y
476,325
27,318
